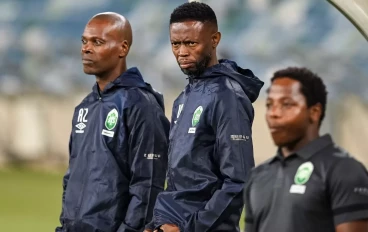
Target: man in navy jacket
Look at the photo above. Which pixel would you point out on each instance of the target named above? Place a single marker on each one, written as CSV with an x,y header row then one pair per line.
x,y
119,141
211,148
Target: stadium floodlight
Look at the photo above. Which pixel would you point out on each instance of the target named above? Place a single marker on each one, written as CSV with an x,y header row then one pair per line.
x,y
356,11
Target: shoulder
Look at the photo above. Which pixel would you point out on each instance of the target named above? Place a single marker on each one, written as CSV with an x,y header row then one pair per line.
x,y
224,88
221,83
343,161
139,98
231,99
334,155
260,169
335,160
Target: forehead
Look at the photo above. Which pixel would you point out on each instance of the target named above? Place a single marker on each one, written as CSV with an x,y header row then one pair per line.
x,y
285,87
98,28
188,29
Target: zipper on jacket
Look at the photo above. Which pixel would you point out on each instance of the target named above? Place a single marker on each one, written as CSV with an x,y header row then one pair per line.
x,y
85,182
99,94
174,140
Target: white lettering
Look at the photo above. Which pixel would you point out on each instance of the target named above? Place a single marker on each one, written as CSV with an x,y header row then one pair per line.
x,y
80,115
299,189
179,110
152,156
85,115
192,130
108,133
239,137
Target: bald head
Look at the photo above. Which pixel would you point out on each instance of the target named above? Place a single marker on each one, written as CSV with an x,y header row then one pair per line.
x,y
106,42
118,24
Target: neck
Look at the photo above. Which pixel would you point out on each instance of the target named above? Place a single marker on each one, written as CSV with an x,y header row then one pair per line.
x,y
105,78
213,61
293,147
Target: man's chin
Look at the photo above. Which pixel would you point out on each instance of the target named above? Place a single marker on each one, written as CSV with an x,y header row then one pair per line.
x,y
189,71
279,142
89,71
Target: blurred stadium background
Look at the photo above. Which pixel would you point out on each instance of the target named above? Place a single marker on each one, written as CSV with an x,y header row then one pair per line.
x,y
41,80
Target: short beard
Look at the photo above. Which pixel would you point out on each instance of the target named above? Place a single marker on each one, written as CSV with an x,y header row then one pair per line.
x,y
199,67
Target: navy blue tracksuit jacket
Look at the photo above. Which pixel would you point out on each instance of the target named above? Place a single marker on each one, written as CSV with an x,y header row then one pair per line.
x,y
210,151
118,158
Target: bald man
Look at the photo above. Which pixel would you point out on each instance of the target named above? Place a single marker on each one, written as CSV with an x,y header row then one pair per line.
x,y
119,140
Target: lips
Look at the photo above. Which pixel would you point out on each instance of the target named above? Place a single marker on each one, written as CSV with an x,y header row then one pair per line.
x,y
185,64
87,61
275,129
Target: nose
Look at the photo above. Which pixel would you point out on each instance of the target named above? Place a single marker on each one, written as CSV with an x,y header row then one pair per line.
x,y
183,51
274,111
86,48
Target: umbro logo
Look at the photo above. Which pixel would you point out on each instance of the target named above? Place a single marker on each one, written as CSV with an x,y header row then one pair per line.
x,y
80,126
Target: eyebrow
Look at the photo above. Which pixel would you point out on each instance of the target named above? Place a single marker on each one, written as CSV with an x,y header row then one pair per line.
x,y
92,37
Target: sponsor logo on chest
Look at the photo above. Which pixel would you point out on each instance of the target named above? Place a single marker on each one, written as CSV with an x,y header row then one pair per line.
x,y
301,177
110,123
195,119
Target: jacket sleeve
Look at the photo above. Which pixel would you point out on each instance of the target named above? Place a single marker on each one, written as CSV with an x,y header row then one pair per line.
x,y
231,121
148,130
65,183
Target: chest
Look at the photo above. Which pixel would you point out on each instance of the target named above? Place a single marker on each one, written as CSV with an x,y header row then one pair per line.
x,y
292,188
97,123
191,115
